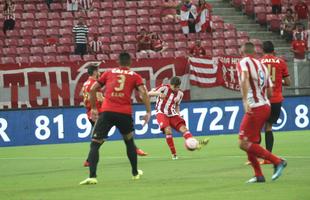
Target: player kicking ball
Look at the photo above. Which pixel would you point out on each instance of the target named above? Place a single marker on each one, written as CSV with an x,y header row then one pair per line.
x,y
167,107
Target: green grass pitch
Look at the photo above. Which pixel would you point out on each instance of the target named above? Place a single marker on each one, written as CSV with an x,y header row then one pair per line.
x,y
52,172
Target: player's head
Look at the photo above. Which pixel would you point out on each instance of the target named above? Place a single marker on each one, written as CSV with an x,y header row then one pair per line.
x,y
175,83
124,59
92,70
248,48
81,21
268,47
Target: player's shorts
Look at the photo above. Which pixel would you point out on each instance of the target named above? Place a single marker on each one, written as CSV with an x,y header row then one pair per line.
x,y
176,122
252,124
275,112
107,120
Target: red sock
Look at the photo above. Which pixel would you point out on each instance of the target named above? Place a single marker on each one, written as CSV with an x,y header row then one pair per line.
x,y
255,164
260,152
169,140
187,135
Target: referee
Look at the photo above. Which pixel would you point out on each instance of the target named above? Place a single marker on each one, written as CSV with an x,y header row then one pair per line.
x,y
80,30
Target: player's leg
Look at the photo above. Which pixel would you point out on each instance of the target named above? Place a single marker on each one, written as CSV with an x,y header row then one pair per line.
x,y
99,135
164,123
86,162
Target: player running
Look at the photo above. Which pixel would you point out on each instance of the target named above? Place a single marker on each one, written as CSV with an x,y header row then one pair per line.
x,y
168,101
279,75
94,74
116,110
255,83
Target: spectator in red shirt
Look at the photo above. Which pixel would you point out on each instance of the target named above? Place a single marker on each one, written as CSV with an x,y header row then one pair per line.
x,y
276,6
302,12
156,43
299,47
144,41
197,50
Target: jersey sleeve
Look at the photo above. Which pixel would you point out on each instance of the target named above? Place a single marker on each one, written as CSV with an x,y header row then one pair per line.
x,y
285,72
103,78
179,102
139,80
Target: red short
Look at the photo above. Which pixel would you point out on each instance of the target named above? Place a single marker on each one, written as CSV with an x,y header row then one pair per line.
x,y
252,123
175,121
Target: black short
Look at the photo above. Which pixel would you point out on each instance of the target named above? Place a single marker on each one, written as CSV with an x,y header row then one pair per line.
x,y
107,120
80,49
275,112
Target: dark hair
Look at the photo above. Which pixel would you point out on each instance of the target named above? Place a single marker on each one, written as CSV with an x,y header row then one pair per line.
x,y
91,69
268,47
249,48
124,59
289,10
175,81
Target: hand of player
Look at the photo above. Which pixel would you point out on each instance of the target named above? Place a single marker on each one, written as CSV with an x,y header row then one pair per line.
x,y
94,114
247,108
146,118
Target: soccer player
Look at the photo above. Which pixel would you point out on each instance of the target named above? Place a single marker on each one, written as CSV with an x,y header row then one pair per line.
x,y
169,97
255,83
93,73
116,110
279,75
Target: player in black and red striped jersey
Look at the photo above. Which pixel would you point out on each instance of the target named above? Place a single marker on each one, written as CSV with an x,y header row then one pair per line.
x,y
168,101
280,76
94,74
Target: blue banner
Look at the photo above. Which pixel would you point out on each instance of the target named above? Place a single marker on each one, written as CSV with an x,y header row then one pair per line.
x,y
67,125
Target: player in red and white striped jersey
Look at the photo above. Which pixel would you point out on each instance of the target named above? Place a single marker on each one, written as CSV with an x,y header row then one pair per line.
x,y
169,97
255,84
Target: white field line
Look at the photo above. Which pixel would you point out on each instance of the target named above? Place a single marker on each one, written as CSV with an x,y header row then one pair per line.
x,y
147,157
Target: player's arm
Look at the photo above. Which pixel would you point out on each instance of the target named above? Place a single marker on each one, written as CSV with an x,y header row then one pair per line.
x,y
92,100
245,85
156,93
146,100
286,81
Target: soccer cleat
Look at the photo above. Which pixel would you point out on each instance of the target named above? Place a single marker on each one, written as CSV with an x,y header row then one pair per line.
x,y
278,170
86,163
174,157
140,152
138,176
257,179
203,143
265,162
89,181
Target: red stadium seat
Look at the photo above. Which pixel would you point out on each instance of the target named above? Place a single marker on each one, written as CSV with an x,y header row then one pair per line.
x,y
102,57
114,56
117,29
62,58
130,13
35,59
168,28
42,7
26,33
40,24
22,59
130,38
155,12
53,24
168,20
118,21
49,59
89,58
67,16
229,27
218,52
28,16
155,21
131,21
118,13
180,45
143,21
7,60
104,30
36,50
41,15
119,4
12,33
168,37
242,35
232,52
39,32
141,55
27,24
131,5
180,54
104,39
142,12
170,46
259,2
260,14
50,50
105,14
155,55
65,31
242,41
53,32
218,26
128,47
64,49
22,51
167,54
155,4
155,28
144,4
257,42
231,43
207,44
9,51
218,43
25,42
249,8
66,23
11,42
130,29
116,48
230,34
218,35
117,39
93,30
54,16
56,6
65,40
75,58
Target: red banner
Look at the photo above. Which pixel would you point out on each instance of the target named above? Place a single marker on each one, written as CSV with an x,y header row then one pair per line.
x,y
228,66
55,84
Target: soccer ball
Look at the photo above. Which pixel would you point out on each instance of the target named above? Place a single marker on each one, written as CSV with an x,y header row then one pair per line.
x,y
191,144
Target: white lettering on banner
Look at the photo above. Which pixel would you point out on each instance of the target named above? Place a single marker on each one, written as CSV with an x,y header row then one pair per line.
x,y
301,120
203,114
214,126
184,114
232,120
154,122
60,125
4,125
140,121
42,123
281,121
83,123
